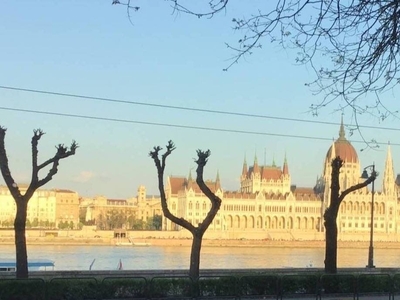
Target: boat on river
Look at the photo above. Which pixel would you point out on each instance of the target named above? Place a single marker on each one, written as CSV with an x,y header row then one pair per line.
x,y
9,265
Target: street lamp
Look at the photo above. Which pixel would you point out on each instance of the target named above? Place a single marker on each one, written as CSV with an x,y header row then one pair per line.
x,y
371,238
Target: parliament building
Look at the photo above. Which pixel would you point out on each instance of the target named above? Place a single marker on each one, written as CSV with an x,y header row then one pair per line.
x,y
267,205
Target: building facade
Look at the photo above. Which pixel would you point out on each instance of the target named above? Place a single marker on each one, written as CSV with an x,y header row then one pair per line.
x,y
268,206
46,208
109,214
355,211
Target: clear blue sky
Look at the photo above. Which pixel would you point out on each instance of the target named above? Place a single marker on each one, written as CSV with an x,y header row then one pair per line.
x,y
91,48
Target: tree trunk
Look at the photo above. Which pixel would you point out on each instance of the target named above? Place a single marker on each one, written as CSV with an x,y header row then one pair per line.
x,y
20,239
332,211
330,245
195,255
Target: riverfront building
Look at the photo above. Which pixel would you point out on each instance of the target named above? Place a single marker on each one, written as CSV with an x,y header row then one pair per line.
x,y
268,206
109,214
46,208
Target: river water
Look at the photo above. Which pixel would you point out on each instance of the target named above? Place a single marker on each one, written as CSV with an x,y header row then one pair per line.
x,y
157,257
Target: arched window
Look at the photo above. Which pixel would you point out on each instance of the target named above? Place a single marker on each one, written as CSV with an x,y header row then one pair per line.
x,y
382,208
362,210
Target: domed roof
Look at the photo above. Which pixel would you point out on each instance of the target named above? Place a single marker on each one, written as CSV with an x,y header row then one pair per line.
x,y
343,148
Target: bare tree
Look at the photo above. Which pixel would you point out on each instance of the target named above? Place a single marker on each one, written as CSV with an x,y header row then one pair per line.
x,y
353,46
331,213
196,231
22,200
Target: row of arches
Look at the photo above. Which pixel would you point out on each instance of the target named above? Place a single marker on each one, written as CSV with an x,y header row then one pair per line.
x,y
272,222
356,207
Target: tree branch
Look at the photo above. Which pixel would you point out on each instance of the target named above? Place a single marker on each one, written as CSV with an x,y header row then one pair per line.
x,y
352,46
215,200
37,134
358,186
62,152
160,165
214,7
5,170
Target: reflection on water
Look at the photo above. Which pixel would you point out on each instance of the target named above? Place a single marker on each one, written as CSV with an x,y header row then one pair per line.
x,y
146,258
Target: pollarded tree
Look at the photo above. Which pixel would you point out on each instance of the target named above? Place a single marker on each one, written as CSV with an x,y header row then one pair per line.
x,y
22,200
331,213
196,231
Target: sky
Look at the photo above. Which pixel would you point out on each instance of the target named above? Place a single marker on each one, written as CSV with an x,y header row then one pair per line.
x,y
90,48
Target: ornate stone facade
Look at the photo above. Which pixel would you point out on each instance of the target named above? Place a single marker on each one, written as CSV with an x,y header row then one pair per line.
x,y
268,206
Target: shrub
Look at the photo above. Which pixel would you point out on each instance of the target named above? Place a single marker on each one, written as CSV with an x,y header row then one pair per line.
x,y
374,283
209,286
299,284
171,287
338,284
259,285
72,289
22,289
124,288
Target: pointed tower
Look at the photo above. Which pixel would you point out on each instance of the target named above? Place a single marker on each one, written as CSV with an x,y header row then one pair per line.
x,y
388,177
256,168
286,181
217,182
190,180
342,133
285,170
244,169
255,180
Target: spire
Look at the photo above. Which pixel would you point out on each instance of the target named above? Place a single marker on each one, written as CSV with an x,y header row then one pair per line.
x,y
244,170
273,161
342,134
190,175
388,177
265,156
217,182
285,167
255,167
389,160
190,180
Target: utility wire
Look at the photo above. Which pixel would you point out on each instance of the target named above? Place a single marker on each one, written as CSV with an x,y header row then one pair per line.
x,y
187,108
179,126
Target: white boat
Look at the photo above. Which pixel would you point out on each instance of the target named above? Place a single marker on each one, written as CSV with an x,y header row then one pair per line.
x,y
9,265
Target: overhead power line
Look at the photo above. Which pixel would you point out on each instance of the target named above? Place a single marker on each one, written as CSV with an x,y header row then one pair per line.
x,y
119,101
179,126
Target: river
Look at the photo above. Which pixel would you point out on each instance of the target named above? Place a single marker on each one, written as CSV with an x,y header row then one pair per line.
x,y
157,257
